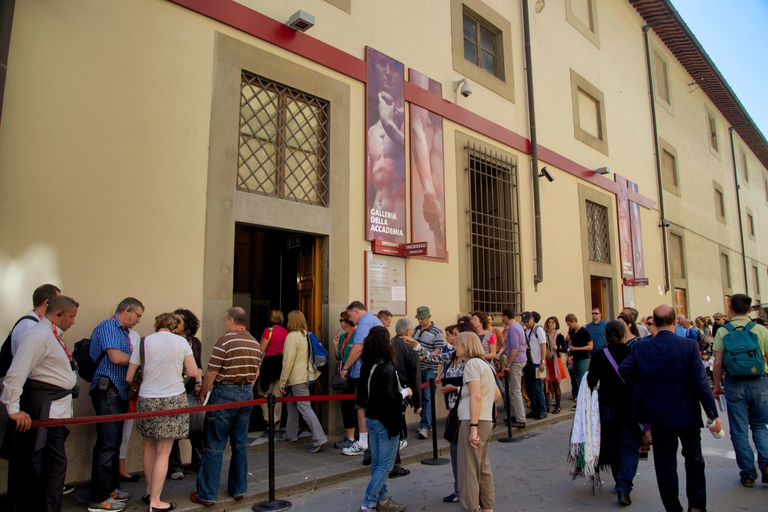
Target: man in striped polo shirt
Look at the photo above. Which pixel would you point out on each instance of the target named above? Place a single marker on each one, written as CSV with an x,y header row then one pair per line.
x,y
430,337
232,370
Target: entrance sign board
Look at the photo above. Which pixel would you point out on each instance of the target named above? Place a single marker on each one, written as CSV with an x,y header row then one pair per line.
x,y
385,283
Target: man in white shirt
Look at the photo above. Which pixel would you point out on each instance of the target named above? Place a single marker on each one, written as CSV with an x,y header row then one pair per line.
x,y
40,384
536,342
40,298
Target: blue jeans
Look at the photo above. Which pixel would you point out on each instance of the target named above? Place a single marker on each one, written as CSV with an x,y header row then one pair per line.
x,y
109,436
535,389
579,368
454,459
383,451
221,425
748,409
620,445
426,398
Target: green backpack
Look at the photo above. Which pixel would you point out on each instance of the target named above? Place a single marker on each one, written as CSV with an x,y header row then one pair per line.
x,y
742,355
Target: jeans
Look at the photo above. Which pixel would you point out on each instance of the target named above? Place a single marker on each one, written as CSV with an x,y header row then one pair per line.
x,y
748,408
515,393
426,398
579,368
454,461
535,388
620,445
220,426
109,437
383,450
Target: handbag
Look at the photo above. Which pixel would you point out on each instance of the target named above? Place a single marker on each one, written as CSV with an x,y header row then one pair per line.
x,y
133,391
451,433
337,382
196,419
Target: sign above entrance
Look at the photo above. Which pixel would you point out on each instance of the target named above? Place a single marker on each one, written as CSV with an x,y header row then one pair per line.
x,y
398,249
636,281
384,283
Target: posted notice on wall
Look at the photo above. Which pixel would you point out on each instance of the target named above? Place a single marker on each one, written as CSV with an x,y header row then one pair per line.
x,y
385,283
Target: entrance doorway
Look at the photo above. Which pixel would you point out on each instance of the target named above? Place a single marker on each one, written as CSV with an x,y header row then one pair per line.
x,y
601,296
277,270
282,270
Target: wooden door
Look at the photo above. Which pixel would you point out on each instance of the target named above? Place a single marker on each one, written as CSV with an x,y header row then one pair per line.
x,y
680,302
309,282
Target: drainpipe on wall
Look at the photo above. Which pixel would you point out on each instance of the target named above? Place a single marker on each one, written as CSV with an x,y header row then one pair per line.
x,y
538,275
738,205
663,218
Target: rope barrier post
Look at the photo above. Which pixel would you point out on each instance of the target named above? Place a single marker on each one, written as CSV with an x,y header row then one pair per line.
x,y
509,438
272,505
435,460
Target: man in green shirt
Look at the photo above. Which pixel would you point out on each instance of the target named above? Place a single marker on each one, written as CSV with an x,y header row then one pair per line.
x,y
745,395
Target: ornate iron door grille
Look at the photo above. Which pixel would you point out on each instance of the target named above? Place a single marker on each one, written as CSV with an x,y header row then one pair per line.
x,y
494,232
597,233
284,140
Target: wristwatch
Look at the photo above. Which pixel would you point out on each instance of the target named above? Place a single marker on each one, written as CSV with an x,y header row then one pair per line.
x,y
473,424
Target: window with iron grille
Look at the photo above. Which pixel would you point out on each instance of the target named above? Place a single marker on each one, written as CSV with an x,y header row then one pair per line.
x,y
597,233
284,141
494,232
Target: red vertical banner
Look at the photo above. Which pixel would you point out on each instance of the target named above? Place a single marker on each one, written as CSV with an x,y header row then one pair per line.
x,y
385,149
625,228
427,172
637,234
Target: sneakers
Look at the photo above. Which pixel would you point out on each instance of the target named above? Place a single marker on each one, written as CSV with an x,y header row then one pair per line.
x,y
452,498
390,506
177,475
404,443
764,471
119,495
284,437
346,443
315,448
423,433
108,504
398,472
355,449
68,489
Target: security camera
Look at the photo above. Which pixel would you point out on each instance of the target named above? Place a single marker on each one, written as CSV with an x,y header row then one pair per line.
x,y
466,89
664,223
544,173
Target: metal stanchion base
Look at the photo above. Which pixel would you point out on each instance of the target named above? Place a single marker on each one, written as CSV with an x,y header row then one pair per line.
x,y
435,462
274,506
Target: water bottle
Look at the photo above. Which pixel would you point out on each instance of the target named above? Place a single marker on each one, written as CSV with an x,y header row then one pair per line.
x,y
717,435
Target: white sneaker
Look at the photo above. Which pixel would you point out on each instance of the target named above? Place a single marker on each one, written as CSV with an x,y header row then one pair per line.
x,y
403,443
177,475
355,449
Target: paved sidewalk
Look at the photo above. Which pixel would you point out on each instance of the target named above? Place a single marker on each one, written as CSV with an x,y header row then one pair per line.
x,y
532,475
296,470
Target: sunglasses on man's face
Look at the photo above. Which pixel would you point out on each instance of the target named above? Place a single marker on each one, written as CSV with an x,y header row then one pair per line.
x,y
649,324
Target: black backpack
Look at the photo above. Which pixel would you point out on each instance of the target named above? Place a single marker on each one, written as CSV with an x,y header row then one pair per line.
x,y
86,367
6,357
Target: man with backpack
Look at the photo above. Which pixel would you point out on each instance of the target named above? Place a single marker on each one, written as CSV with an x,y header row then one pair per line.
x,y
740,348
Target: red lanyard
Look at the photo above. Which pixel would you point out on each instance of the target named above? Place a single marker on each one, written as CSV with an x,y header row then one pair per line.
x,y
39,316
126,334
61,342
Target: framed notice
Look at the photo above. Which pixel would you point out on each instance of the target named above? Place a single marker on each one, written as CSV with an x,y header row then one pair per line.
x,y
385,283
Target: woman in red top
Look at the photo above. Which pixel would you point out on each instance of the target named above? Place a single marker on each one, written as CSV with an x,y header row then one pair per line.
x,y
272,341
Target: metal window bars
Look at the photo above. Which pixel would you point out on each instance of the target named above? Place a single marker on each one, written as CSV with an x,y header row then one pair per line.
x,y
597,233
284,142
494,231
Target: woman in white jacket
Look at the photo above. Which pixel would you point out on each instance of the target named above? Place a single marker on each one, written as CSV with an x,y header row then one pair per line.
x,y
298,373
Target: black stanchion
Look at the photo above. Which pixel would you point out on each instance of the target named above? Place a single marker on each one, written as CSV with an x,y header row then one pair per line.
x,y
435,460
272,505
509,438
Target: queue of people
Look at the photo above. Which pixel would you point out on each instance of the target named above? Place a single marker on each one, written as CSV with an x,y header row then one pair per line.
x,y
618,363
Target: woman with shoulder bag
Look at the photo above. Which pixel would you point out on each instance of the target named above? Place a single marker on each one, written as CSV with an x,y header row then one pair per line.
x,y
555,368
620,435
476,402
380,394
163,357
348,412
298,372
272,343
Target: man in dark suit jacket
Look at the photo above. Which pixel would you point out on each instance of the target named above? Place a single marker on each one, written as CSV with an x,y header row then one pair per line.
x,y
670,387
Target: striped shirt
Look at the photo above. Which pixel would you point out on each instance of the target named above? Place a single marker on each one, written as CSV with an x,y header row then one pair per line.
x,y
236,357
